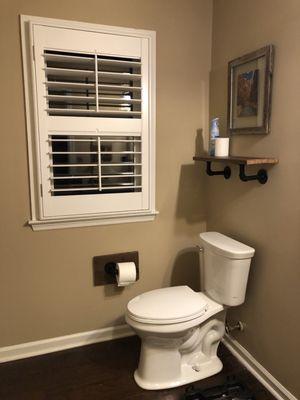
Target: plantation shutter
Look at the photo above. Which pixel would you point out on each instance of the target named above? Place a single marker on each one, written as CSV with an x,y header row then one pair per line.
x,y
92,164
93,131
92,85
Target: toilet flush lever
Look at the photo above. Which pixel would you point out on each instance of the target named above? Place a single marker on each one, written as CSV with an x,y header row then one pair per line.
x,y
200,249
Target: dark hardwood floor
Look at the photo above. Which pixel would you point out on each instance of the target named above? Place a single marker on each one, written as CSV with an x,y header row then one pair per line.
x,y
101,371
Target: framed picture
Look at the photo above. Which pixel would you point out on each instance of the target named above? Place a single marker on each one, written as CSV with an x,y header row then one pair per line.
x,y
249,92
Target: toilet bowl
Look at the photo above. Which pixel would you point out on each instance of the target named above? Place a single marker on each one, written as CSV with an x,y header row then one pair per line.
x,y
180,329
175,349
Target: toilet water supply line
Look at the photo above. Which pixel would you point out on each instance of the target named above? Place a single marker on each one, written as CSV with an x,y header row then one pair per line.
x,y
238,326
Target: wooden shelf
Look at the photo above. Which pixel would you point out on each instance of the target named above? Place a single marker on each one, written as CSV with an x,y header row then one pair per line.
x,y
238,160
261,176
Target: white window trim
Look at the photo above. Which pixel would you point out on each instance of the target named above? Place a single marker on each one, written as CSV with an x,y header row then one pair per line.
x,y
38,223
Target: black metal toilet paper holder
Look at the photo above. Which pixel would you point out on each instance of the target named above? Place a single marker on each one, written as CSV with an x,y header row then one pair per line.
x,y
105,267
111,269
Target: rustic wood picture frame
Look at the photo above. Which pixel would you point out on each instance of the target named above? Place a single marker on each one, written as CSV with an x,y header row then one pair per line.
x,y
264,127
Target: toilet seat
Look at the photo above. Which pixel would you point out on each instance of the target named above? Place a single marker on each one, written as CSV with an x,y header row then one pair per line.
x,y
167,306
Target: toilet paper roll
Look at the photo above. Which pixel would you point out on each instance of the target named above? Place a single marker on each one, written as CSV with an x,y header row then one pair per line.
x,y
126,273
221,147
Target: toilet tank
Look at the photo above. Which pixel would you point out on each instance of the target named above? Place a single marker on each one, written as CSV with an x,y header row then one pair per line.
x,y
225,265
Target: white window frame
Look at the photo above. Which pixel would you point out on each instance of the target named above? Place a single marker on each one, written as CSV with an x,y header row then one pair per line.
x,y
38,221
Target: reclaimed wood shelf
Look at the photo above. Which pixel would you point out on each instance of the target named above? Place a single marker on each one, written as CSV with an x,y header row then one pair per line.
x,y
239,160
261,176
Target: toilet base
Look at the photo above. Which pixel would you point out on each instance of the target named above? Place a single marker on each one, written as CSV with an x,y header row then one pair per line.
x,y
177,354
188,375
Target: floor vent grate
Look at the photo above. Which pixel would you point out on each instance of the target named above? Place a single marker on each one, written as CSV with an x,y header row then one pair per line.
x,y
231,390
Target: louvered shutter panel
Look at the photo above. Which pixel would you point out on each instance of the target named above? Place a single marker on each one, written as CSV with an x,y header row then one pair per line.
x,y
91,164
92,94
92,85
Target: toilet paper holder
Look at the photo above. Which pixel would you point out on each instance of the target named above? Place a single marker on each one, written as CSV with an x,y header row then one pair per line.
x,y
104,266
111,268
124,273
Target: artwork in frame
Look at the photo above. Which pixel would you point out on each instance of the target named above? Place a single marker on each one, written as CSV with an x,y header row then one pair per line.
x,y
249,92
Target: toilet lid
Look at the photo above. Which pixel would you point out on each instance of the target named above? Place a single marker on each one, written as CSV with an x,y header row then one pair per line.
x,y
166,306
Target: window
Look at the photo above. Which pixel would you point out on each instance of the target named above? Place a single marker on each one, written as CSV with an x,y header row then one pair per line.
x,y
91,122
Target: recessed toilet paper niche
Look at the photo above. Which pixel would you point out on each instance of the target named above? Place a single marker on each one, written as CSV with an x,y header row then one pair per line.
x,y
101,277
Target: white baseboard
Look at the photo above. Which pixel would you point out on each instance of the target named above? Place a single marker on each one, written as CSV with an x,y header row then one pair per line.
x,y
30,349
256,369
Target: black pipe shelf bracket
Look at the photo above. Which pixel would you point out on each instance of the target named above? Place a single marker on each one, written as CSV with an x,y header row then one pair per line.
x,y
261,176
226,172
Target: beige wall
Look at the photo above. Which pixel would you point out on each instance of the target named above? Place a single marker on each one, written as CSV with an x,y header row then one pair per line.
x,y
46,286
265,217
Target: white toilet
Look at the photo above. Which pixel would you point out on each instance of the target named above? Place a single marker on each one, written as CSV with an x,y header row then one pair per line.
x,y
181,329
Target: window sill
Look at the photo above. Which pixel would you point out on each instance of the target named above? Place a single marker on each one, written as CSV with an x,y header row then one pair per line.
x,y
41,225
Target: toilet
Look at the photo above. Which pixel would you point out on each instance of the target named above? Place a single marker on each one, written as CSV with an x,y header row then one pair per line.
x,y
180,329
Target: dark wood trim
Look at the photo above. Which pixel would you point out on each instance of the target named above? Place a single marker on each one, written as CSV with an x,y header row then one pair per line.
x,y
268,53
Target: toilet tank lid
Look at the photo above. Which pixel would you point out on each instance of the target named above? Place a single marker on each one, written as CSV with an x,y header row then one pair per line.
x,y
225,246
